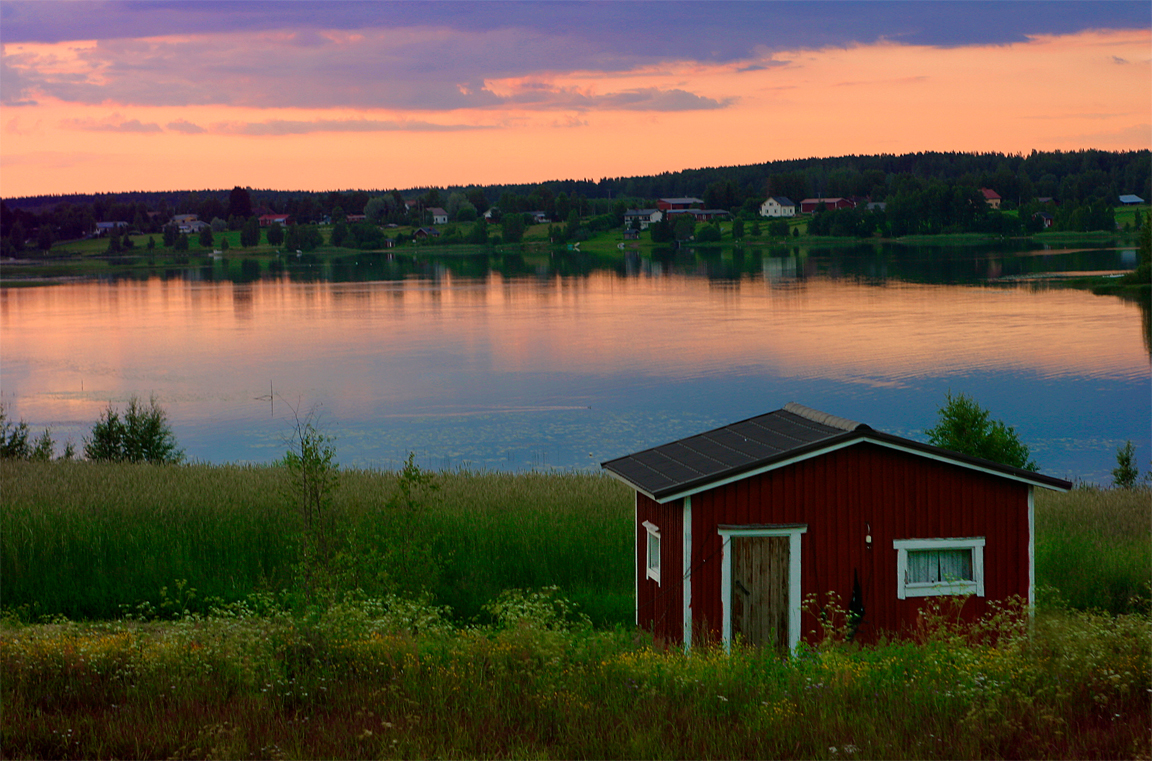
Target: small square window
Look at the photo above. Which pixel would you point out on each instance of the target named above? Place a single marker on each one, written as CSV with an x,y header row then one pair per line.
x,y
930,567
653,554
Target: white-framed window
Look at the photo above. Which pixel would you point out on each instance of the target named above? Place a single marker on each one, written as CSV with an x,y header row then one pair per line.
x,y
928,567
653,555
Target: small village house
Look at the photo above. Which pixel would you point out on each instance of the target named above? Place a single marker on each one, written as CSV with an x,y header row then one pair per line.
x,y
734,527
674,204
642,218
809,205
700,215
778,206
991,197
189,224
439,216
106,228
267,220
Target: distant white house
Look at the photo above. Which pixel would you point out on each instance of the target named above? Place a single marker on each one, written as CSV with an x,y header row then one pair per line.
x,y
189,223
642,218
439,216
104,228
778,206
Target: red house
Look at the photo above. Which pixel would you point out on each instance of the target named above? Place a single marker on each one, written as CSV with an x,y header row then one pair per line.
x,y
668,204
735,526
809,205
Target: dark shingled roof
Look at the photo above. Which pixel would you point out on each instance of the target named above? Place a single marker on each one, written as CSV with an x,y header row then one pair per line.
x,y
698,461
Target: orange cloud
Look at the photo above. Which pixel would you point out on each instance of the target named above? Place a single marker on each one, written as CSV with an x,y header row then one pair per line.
x,y
1056,92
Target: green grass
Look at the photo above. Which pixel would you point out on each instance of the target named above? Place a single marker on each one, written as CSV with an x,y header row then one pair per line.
x,y
380,672
393,680
1094,547
83,539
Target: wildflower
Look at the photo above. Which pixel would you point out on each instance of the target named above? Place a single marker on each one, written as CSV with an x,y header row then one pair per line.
x,y
721,697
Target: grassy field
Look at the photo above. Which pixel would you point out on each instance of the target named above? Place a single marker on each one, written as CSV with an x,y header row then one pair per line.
x,y
84,539
1094,547
394,680
207,650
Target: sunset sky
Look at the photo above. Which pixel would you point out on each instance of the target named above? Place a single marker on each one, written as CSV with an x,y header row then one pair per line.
x,y
335,95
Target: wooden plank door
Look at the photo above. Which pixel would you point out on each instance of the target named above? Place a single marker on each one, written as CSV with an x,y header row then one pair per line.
x,y
760,590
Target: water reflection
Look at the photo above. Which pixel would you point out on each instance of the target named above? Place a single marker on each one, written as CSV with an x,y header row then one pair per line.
x,y
513,361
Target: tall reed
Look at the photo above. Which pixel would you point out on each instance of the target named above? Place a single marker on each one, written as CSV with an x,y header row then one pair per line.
x,y
1094,547
84,539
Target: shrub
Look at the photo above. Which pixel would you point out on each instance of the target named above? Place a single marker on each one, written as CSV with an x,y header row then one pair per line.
x,y
964,427
1125,473
141,435
708,234
14,443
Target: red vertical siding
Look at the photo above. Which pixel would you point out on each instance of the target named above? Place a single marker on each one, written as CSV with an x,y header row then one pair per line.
x,y
902,496
660,606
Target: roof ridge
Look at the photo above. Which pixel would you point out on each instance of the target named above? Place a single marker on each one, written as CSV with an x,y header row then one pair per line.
x,y
824,418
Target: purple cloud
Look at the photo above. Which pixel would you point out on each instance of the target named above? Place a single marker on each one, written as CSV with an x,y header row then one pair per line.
x,y
640,99
303,127
185,126
111,125
438,56
723,30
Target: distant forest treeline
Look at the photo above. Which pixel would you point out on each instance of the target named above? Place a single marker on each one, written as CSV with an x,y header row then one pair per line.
x,y
925,193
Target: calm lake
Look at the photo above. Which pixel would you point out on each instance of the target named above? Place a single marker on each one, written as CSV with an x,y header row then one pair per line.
x,y
562,361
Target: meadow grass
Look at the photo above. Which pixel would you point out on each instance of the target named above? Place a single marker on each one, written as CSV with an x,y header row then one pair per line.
x,y
392,679
1094,547
475,669
84,539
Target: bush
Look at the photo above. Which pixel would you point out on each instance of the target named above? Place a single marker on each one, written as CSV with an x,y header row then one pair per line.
x,y
1125,473
708,234
964,427
275,234
14,443
141,435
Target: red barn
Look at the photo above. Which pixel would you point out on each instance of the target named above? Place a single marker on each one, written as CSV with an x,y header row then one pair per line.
x,y
736,526
669,204
809,205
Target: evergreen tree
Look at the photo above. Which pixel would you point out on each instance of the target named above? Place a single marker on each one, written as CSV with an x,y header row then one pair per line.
x,y
239,203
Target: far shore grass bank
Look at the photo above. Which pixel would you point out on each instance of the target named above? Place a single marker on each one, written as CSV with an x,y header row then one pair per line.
x,y
91,259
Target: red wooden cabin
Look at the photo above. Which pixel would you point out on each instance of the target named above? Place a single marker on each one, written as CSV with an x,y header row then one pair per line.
x,y
734,527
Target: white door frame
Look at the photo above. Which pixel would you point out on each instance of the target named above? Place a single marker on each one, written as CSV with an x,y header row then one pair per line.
x,y
790,530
